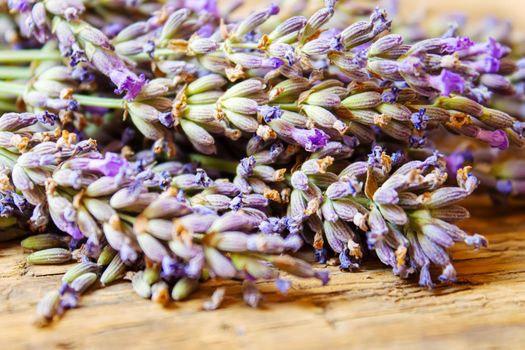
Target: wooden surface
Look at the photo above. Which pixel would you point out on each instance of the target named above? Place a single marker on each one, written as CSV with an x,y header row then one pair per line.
x,y
371,307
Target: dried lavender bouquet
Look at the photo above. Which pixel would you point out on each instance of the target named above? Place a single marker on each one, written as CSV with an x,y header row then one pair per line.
x,y
312,132
501,88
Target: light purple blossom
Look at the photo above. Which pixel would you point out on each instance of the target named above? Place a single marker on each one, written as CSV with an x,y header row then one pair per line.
x,y
311,139
129,82
420,119
270,113
283,285
111,165
496,139
447,82
246,166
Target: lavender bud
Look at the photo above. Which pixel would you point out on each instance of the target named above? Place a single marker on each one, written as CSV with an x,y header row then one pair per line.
x,y
83,282
290,25
219,264
115,270
385,44
151,247
183,288
140,286
254,20
173,23
49,256
362,100
79,270
315,22
44,241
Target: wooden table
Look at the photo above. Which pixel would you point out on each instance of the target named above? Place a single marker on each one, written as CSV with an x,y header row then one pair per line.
x,y
371,307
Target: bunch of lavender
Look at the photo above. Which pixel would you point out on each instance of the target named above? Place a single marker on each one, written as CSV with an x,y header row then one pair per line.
x,y
502,90
301,103
126,215
400,95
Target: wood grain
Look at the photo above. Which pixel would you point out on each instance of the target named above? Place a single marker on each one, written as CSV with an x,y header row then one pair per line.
x,y
371,307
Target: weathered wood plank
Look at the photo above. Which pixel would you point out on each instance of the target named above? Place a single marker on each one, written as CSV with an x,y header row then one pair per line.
x,y
370,307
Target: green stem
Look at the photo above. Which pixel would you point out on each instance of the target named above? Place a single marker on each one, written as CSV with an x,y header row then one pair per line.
x,y
10,89
95,101
28,55
7,72
290,107
214,163
7,106
130,219
244,45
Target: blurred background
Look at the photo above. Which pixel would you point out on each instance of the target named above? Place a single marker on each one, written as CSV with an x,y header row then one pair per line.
x,y
510,10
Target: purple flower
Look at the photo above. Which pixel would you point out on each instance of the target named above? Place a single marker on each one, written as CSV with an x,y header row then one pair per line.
x,y
202,179
390,96
420,119
20,202
504,187
272,63
457,160
68,296
72,105
236,202
149,48
447,82
273,9
246,166
209,6
323,276
276,149
480,94
452,45
273,225
397,157
82,74
270,113
111,30
93,246
417,141
495,49
46,117
519,128
477,241
111,165
294,225
128,254
374,158
311,139
448,274
171,268
379,20
76,55
283,285
167,119
206,31
344,260
127,81
425,280
19,5
299,180
336,44
496,139
321,255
